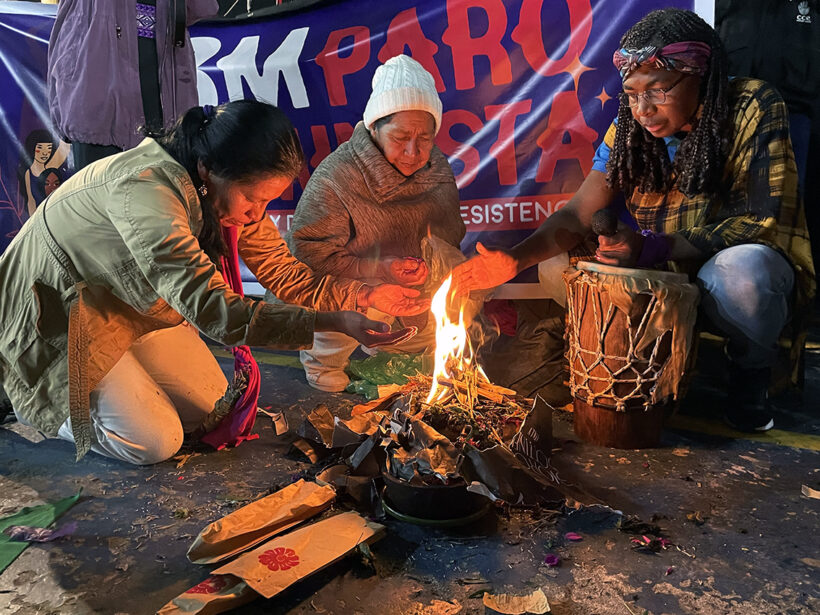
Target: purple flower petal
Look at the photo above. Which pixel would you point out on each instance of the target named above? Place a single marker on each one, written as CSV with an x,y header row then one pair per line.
x,y
552,560
24,533
573,536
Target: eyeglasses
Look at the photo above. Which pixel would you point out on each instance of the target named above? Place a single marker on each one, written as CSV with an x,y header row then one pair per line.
x,y
655,96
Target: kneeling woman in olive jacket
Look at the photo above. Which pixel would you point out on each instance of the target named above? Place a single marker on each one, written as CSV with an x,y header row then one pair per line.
x,y
105,288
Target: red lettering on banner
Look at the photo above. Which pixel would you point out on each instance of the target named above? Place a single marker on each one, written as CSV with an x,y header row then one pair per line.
x,y
510,213
503,150
343,132
321,145
336,67
405,31
565,118
321,149
454,149
304,176
465,48
529,36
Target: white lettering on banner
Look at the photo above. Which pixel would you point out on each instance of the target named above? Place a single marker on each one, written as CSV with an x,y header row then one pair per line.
x,y
205,47
517,213
512,214
282,220
241,64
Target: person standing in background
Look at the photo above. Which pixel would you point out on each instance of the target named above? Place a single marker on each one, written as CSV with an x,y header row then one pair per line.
x,y
790,61
120,70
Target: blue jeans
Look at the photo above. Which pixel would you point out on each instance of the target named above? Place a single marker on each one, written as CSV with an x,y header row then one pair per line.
x,y
746,293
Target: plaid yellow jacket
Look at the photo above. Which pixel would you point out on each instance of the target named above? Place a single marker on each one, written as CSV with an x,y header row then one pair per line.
x,y
759,202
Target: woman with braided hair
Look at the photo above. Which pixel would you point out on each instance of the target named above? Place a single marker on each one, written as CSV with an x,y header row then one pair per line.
x,y
707,171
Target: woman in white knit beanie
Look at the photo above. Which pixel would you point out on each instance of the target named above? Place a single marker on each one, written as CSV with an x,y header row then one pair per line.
x,y
403,113
369,205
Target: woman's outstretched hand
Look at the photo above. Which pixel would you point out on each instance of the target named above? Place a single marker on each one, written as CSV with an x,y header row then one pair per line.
x,y
487,269
370,333
393,300
407,271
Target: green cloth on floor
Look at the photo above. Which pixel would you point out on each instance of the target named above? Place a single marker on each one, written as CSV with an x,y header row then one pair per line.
x,y
32,516
369,390
384,368
388,368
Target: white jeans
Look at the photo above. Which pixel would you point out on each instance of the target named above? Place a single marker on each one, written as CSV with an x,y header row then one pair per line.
x,y
162,387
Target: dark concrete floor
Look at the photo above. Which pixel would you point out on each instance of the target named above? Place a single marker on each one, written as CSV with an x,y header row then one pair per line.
x,y
756,552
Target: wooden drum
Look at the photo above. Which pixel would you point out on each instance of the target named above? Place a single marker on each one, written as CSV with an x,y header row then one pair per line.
x,y
630,336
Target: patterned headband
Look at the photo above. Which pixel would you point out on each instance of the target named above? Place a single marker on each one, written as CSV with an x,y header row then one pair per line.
x,y
690,57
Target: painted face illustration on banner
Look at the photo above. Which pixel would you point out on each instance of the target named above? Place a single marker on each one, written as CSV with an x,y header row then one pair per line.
x,y
52,181
42,152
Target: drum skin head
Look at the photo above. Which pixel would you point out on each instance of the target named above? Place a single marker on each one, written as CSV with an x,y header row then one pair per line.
x,y
650,274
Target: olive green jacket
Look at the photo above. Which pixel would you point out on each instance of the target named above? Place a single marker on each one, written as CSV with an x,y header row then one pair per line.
x,y
113,254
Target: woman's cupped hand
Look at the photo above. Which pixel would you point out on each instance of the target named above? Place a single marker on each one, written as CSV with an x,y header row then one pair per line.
x,y
368,332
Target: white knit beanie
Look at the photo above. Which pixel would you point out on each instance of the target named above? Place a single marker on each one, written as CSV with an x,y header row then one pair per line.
x,y
402,84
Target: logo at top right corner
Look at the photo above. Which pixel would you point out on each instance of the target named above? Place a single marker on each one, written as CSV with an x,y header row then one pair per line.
x,y
803,12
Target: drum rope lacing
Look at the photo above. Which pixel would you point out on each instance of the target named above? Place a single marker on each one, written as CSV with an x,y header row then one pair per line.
x,y
638,373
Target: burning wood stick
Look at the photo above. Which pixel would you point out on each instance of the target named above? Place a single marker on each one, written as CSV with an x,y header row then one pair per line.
x,y
484,389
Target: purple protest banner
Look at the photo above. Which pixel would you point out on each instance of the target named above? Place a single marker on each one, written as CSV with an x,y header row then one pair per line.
x,y
27,147
528,90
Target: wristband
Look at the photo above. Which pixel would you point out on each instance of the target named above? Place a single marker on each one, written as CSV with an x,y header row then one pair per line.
x,y
655,250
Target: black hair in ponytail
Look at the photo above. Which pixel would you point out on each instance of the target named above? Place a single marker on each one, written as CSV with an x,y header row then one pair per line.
x,y
237,141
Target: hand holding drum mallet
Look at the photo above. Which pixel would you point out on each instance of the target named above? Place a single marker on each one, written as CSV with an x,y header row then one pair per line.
x,y
615,247
604,222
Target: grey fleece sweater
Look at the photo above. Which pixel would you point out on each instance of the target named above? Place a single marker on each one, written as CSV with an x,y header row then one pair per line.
x,y
357,208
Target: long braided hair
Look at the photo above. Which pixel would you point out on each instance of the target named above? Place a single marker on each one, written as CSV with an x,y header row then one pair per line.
x,y
639,160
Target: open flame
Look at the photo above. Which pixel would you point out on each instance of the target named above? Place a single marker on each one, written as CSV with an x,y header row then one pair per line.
x,y
456,370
